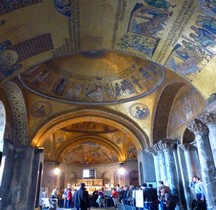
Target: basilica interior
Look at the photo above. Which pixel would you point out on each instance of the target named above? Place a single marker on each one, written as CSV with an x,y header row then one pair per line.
x,y
104,86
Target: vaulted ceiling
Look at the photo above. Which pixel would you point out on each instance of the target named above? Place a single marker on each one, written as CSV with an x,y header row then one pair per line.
x,y
120,56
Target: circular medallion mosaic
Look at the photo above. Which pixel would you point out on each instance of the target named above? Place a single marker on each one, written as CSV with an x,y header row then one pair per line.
x,y
139,111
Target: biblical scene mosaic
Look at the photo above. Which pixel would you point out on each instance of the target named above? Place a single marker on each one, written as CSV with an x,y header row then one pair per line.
x,y
119,81
86,151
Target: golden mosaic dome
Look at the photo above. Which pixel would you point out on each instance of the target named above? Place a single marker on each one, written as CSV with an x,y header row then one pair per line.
x,y
94,76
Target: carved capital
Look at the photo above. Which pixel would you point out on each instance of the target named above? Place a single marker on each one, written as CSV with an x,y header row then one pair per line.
x,y
208,118
151,151
164,144
186,147
197,127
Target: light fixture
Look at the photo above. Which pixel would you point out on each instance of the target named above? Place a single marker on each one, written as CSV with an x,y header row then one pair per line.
x,y
121,169
56,171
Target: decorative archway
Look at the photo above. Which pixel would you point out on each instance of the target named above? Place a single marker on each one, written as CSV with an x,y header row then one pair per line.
x,y
125,125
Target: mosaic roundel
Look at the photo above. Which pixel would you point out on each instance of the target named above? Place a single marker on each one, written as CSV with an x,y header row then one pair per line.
x,y
139,111
41,109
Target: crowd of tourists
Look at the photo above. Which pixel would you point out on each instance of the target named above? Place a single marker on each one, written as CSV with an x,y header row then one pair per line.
x,y
162,197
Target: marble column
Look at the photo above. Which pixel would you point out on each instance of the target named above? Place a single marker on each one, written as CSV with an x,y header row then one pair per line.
x,y
157,167
170,165
154,154
147,163
208,170
25,187
158,147
192,165
189,167
209,119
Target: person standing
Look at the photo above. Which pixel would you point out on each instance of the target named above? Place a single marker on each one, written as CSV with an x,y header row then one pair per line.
x,y
101,199
68,198
81,198
152,197
54,193
167,201
115,197
199,193
65,197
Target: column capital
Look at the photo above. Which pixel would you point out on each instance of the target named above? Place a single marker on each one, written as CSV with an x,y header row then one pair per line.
x,y
208,117
187,147
164,145
197,127
151,151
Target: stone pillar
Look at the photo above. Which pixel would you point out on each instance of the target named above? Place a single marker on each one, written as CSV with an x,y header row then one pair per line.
x,y
158,147
24,184
209,119
189,167
147,162
152,152
157,168
192,166
167,147
170,167
208,170
7,168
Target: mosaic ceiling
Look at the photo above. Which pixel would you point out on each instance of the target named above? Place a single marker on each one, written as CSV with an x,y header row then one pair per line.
x,y
89,143
94,77
118,55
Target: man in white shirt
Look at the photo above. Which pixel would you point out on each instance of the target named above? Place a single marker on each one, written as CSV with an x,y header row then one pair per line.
x,y
199,193
198,188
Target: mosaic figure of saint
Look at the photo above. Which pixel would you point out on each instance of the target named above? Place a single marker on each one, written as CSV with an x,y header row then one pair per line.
x,y
141,113
162,4
202,36
207,22
59,89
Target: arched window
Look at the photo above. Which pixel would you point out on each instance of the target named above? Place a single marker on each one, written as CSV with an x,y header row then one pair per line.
x,y
2,124
2,130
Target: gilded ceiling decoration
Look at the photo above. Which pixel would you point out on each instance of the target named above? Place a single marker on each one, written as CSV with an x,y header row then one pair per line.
x,y
89,143
106,53
94,78
179,35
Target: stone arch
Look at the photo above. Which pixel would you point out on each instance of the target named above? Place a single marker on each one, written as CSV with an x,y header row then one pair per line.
x,y
163,107
187,137
140,139
18,107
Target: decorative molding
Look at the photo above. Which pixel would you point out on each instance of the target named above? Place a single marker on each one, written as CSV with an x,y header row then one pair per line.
x,y
165,144
19,113
208,118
